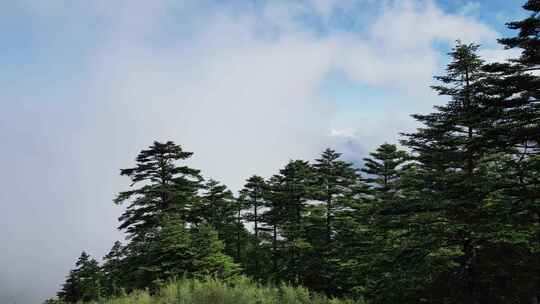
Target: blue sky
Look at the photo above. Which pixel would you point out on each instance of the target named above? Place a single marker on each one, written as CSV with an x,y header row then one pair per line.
x,y
246,85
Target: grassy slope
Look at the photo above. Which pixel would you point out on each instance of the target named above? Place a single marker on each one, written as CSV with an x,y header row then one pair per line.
x,y
212,291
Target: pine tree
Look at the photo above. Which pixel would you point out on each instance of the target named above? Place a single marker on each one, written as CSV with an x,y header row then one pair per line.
x,y
218,208
83,282
273,218
335,185
208,256
113,270
253,197
238,236
367,241
528,38
384,167
514,96
70,291
216,205
379,222
449,149
171,253
293,189
515,87
335,181
166,188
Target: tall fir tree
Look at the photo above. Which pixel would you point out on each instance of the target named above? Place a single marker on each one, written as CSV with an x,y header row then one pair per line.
x,y
84,283
166,188
208,256
514,96
114,270
293,189
217,207
253,195
336,183
171,252
273,218
515,90
448,150
384,167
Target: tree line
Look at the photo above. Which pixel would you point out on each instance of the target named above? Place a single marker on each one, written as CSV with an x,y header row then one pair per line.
x,y
452,215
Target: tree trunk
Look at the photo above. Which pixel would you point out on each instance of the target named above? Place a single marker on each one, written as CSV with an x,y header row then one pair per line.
x,y
329,219
238,233
256,220
274,251
470,271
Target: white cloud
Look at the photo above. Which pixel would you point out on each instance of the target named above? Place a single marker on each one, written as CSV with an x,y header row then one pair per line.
x,y
412,25
498,55
470,8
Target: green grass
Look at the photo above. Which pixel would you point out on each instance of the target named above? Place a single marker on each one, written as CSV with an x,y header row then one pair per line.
x,y
212,291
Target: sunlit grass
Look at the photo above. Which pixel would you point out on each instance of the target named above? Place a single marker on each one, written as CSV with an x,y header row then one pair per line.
x,y
213,291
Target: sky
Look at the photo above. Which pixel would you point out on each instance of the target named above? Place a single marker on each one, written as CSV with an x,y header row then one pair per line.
x,y
244,84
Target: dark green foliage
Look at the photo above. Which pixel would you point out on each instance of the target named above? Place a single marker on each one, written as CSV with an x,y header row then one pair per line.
x,y
252,196
113,270
208,256
383,168
273,219
448,151
293,191
515,89
167,192
336,187
336,182
166,188
527,39
171,254
218,208
83,283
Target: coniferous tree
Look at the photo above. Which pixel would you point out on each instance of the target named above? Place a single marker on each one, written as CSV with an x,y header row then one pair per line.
x,y
381,224
217,207
293,188
166,188
383,168
171,252
448,150
70,291
239,236
113,270
514,98
253,197
208,256
83,282
273,219
336,183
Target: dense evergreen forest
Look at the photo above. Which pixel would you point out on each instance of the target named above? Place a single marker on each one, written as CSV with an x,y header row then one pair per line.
x,y
451,215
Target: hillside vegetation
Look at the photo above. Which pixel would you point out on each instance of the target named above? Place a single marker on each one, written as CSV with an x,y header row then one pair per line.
x,y
214,291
